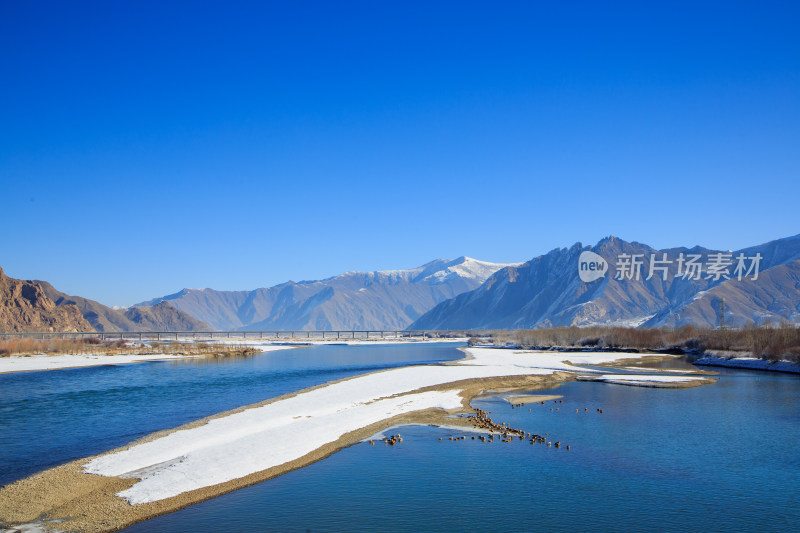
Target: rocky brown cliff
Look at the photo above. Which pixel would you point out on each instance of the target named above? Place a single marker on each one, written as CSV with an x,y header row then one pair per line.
x,y
25,307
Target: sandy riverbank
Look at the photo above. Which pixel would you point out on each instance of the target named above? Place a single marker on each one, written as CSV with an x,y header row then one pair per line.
x,y
176,468
525,399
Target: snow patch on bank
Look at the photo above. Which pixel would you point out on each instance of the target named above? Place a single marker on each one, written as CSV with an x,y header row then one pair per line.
x,y
751,363
642,380
17,363
664,370
647,378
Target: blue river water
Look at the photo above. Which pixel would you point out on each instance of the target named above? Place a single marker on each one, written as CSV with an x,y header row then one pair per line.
x,y
49,418
720,457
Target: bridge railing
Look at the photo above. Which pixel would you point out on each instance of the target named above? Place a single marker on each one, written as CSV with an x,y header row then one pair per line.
x,y
296,335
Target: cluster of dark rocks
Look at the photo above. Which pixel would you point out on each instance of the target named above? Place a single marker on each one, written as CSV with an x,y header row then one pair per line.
x,y
389,441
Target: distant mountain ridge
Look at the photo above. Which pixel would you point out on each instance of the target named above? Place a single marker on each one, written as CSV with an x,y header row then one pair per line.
x,y
37,306
463,293
161,317
547,291
385,299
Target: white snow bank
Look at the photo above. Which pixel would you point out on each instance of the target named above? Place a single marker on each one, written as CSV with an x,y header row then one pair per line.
x,y
550,360
54,362
258,438
645,378
751,363
16,363
642,380
665,370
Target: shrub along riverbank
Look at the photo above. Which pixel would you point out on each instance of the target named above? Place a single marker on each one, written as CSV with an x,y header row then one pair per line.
x,y
769,343
91,345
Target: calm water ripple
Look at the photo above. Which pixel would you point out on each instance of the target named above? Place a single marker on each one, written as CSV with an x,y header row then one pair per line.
x,y
719,457
49,418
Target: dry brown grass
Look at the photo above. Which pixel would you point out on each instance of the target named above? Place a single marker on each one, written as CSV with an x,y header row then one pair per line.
x,y
28,346
773,343
33,346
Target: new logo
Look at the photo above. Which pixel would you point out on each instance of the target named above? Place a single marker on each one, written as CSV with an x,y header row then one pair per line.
x,y
591,266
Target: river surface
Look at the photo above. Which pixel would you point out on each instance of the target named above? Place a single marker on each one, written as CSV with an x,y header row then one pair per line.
x,y
717,457
49,418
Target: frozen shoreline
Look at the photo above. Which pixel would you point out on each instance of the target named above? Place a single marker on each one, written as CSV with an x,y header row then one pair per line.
x,y
749,363
33,363
654,381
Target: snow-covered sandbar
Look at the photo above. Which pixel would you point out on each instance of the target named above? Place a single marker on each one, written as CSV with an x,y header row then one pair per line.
x,y
253,440
172,469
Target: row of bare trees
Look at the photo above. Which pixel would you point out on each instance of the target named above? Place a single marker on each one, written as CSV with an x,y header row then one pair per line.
x,y
773,343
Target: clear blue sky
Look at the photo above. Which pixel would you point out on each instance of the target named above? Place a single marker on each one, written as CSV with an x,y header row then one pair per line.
x,y
151,146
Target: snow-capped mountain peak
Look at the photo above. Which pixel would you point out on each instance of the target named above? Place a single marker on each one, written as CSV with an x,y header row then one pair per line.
x,y
463,267
381,299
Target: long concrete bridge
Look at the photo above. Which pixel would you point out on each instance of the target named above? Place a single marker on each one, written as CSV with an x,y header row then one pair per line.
x,y
297,335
